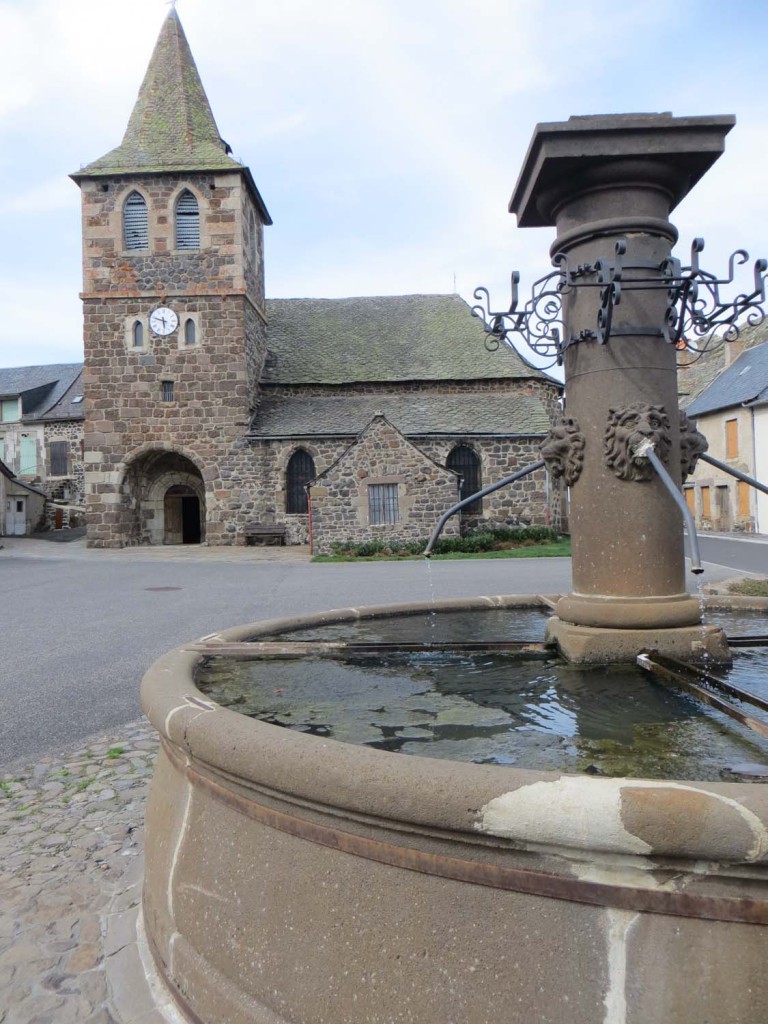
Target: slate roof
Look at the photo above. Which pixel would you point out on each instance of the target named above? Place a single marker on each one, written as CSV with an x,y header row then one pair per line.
x,y
413,414
65,408
382,338
744,382
172,127
696,376
41,387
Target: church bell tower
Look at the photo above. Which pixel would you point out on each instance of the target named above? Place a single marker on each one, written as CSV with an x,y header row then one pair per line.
x,y
174,323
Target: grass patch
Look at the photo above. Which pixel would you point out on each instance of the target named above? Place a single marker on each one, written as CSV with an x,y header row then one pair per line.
x,y
114,752
503,542
749,588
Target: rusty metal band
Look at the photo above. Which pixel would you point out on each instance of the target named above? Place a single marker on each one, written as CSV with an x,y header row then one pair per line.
x,y
183,1005
495,876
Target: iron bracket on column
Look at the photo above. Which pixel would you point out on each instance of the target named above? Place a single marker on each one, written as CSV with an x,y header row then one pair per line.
x,y
698,317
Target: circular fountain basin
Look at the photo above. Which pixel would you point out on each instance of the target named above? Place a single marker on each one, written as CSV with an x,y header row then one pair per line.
x,y
292,877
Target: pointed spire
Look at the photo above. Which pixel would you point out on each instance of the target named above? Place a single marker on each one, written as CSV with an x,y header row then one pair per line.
x,y
172,126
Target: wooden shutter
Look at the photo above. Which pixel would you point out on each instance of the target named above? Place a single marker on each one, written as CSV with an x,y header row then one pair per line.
x,y
731,439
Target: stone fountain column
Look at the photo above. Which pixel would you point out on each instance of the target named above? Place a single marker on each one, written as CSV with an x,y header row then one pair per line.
x,y
601,181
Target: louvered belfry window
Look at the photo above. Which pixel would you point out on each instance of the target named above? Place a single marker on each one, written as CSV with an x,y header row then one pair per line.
x,y
466,462
301,469
187,222
135,222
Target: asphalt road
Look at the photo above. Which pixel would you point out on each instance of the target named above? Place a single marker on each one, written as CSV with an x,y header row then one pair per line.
x,y
80,627
743,553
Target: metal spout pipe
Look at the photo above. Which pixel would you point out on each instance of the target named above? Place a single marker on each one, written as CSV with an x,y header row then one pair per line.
x,y
646,451
734,472
474,497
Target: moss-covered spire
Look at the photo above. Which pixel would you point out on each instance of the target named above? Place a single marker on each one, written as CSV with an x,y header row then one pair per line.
x,y
172,126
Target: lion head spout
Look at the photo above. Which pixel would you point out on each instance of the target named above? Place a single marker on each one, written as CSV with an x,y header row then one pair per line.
x,y
627,429
563,450
692,445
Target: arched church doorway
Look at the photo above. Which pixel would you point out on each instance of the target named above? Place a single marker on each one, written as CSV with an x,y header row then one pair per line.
x,y
167,496
181,508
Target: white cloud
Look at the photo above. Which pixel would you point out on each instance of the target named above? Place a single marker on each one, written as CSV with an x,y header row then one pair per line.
x,y
385,135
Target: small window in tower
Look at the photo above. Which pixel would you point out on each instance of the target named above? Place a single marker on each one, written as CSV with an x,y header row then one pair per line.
x,y
135,222
187,222
138,334
167,390
190,332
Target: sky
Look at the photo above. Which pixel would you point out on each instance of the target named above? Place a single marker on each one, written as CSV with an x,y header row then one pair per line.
x,y
385,136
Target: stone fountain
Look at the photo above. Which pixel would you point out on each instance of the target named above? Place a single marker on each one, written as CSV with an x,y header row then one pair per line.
x,y
291,877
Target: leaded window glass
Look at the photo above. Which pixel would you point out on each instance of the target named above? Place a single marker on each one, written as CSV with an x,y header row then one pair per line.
x,y
383,504
466,462
300,470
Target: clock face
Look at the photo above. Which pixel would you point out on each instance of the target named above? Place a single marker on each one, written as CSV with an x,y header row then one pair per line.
x,y
163,321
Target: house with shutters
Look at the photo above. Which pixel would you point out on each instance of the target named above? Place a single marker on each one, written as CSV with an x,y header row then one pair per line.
x,y
214,414
731,410
41,439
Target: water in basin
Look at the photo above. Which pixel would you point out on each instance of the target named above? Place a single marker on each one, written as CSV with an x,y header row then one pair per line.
x,y
490,707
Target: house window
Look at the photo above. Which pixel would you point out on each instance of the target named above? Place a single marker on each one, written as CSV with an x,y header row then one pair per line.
x,y
300,470
731,439
466,462
167,386
10,410
138,334
190,332
135,222
58,453
690,499
382,504
187,222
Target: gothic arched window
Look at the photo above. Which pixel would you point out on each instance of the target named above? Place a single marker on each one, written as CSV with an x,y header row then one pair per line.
x,y
301,469
187,221
138,334
466,462
135,232
190,332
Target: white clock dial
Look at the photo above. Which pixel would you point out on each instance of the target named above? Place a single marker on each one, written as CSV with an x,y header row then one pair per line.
x,y
163,321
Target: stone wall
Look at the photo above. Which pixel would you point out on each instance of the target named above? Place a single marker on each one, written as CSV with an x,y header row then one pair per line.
x,y
522,502
71,487
381,456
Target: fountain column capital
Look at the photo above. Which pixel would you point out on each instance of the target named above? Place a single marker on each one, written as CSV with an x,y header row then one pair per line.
x,y
589,158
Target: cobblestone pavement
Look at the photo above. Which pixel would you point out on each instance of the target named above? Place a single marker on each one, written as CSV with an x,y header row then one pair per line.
x,y
71,860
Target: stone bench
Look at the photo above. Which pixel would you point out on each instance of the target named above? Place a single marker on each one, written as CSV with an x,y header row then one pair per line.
x,y
256,534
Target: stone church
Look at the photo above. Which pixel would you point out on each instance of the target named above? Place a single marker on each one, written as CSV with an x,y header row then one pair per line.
x,y
213,414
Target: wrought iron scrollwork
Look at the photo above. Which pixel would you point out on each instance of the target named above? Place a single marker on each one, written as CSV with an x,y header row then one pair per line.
x,y
698,317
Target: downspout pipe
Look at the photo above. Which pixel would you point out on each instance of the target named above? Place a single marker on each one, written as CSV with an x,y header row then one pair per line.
x,y
645,450
475,497
734,472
